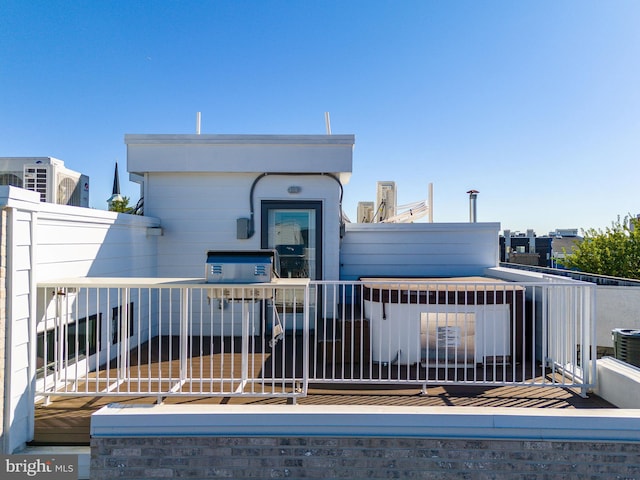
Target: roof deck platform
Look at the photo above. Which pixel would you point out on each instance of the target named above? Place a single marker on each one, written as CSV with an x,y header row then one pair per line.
x,y
66,419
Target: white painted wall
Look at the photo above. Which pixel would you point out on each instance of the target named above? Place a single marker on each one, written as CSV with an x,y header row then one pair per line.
x,y
616,307
199,212
541,424
240,153
47,241
199,185
618,383
77,242
418,249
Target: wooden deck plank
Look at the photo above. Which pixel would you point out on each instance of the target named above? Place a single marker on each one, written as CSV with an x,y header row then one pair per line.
x,y
66,420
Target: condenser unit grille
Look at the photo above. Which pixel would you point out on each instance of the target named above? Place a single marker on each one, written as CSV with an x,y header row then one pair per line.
x,y
13,179
35,179
68,191
626,345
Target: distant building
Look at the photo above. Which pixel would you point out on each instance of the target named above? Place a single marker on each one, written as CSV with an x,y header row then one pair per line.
x,y
563,240
529,249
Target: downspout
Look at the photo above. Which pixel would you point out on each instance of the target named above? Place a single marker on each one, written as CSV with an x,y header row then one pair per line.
x,y
262,175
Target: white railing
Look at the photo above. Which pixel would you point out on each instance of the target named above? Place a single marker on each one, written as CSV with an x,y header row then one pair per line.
x,y
168,338
470,331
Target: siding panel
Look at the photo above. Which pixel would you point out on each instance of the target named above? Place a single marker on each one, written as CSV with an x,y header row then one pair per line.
x,y
418,250
107,244
199,213
70,241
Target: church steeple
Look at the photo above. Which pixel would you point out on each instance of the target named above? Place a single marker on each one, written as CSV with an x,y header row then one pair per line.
x,y
116,182
115,194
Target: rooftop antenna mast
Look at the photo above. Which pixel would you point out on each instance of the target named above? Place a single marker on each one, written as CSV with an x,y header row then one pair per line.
x,y
327,122
198,116
430,202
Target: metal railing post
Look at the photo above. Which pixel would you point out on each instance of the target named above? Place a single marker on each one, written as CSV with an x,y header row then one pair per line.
x,y
184,334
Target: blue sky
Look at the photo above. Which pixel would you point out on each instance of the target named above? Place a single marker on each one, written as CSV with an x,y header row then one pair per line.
x,y
536,104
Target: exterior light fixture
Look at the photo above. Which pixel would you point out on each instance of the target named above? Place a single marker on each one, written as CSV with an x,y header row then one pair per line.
x,y
293,189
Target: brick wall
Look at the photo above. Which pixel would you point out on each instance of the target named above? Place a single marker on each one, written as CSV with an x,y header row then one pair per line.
x,y
364,457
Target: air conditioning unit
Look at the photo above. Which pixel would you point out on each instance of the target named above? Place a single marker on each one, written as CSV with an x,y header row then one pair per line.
x,y
365,212
386,200
48,177
626,345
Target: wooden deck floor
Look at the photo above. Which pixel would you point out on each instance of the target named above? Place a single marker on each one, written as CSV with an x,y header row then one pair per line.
x,y
66,420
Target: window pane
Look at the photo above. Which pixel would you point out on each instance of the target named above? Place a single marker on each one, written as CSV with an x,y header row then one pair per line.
x,y
292,233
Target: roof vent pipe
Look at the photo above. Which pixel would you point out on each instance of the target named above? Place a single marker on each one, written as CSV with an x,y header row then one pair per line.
x,y
473,195
197,123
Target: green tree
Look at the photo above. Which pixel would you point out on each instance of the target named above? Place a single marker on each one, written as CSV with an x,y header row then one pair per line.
x,y
120,206
614,251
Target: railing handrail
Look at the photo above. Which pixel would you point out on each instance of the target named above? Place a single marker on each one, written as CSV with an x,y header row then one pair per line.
x,y
351,331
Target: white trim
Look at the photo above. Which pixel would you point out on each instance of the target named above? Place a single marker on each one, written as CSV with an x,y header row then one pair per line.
x,y
592,425
222,139
618,382
429,227
33,303
154,282
19,198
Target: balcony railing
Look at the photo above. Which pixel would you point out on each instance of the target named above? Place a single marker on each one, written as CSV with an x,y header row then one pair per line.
x,y
168,337
171,337
479,332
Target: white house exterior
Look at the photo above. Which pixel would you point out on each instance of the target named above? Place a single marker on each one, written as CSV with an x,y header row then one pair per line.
x,y
200,185
242,193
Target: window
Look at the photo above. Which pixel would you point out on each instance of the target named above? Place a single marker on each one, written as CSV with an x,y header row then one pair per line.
x,y
84,334
117,322
74,341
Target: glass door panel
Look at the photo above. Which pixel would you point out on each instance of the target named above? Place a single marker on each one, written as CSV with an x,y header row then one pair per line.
x,y
291,233
294,230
